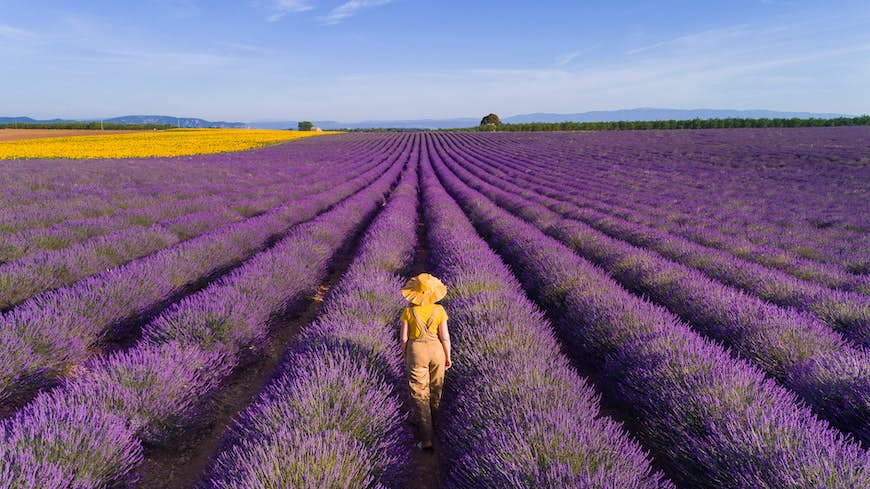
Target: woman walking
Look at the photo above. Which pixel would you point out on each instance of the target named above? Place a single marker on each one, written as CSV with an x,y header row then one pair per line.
x,y
426,346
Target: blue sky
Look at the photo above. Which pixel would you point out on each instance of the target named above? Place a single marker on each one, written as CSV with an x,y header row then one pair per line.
x,y
352,60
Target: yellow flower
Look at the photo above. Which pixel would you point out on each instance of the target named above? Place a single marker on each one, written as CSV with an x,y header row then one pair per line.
x,y
175,142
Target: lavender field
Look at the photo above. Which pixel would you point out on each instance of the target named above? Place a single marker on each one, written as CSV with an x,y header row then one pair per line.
x,y
630,309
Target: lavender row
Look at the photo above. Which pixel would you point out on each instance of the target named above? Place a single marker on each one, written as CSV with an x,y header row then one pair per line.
x,y
45,271
245,201
90,432
51,333
117,210
124,183
35,182
48,270
515,413
65,234
846,312
731,174
618,170
712,420
99,188
248,198
826,371
333,415
608,194
552,183
611,176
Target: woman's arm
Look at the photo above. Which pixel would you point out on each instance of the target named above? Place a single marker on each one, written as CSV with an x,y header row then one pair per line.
x,y
444,335
403,335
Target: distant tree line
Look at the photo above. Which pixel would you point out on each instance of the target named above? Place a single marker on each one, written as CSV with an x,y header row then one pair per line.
x,y
383,129
93,125
733,122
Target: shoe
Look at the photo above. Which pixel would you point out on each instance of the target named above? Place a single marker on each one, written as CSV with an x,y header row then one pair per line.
x,y
420,446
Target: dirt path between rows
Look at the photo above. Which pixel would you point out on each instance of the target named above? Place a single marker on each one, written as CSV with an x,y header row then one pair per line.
x,y
126,333
426,464
184,462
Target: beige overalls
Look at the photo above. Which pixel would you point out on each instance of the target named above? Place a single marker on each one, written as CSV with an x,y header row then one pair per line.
x,y
424,359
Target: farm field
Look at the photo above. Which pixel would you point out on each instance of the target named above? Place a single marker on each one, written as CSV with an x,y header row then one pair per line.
x,y
631,309
136,144
22,134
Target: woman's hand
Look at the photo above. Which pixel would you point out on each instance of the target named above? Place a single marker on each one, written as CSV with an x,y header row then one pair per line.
x,y
403,338
444,335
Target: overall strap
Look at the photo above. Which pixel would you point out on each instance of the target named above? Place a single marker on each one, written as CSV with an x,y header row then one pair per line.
x,y
428,323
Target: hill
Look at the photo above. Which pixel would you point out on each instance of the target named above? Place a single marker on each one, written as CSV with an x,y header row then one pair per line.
x,y
653,114
187,122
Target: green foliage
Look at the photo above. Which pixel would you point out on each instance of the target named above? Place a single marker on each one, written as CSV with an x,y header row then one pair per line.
x,y
490,122
384,129
305,125
735,122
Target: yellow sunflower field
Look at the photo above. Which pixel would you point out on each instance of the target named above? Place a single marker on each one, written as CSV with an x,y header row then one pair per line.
x,y
174,142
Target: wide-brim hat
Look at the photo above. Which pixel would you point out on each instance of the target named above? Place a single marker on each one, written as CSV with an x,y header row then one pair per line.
x,y
424,289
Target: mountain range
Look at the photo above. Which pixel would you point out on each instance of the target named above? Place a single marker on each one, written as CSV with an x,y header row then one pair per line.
x,y
639,114
186,122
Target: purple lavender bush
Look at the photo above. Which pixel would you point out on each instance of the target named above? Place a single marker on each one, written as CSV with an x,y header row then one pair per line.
x,y
712,420
51,332
515,414
841,310
334,415
793,213
131,386
233,196
828,372
609,209
38,194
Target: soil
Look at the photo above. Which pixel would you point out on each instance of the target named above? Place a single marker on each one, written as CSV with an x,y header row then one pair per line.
x,y
426,472
596,378
124,334
426,464
21,134
183,463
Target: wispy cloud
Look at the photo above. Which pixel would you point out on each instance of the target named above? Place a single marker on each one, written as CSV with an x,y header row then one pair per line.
x,y
13,33
711,37
349,9
564,59
150,62
284,7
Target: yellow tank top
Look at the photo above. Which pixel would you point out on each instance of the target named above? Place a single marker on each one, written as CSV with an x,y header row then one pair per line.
x,y
424,312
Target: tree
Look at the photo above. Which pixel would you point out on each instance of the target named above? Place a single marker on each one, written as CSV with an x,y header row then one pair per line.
x,y
491,121
305,126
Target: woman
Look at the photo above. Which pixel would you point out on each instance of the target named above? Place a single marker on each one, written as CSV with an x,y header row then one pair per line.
x,y
426,347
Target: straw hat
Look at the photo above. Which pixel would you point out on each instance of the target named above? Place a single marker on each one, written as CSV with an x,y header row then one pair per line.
x,y
424,289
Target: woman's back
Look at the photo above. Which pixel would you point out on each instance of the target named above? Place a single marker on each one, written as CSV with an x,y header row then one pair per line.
x,y
418,316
